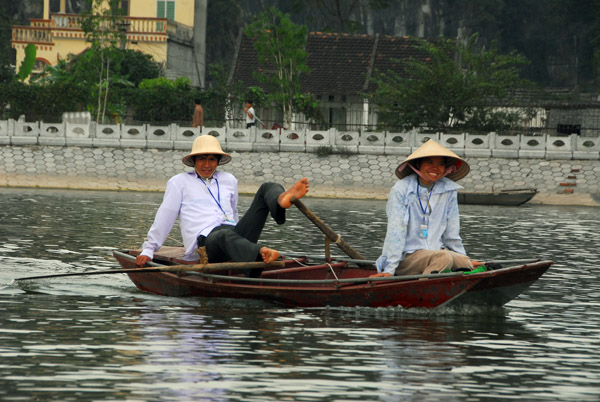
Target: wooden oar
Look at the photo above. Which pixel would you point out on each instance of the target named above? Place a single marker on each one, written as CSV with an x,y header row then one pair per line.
x,y
168,268
336,238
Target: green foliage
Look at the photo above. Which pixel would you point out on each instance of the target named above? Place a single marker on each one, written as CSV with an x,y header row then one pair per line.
x,y
101,25
25,99
449,87
280,46
28,62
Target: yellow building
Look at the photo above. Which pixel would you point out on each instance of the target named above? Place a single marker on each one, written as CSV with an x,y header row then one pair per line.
x,y
172,31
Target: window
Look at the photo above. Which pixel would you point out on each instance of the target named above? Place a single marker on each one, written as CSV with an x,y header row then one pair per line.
x,y
165,9
125,7
566,129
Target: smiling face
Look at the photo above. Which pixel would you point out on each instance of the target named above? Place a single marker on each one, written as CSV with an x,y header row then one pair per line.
x,y
432,168
206,165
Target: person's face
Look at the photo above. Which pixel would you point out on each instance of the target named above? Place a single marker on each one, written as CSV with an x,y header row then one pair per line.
x,y
206,165
432,168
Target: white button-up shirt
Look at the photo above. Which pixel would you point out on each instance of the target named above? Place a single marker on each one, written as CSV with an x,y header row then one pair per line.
x,y
199,206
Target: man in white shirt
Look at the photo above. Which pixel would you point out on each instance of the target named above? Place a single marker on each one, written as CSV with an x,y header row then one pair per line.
x,y
250,115
205,201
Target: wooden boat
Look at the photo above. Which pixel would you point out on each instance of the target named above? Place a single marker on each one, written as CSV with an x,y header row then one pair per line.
x,y
512,197
341,282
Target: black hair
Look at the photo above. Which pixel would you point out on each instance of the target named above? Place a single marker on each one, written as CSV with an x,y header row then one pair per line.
x,y
198,101
217,155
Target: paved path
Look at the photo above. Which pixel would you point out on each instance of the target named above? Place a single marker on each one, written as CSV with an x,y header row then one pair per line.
x,y
335,176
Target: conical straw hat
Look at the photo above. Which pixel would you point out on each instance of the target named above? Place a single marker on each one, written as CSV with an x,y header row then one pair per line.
x,y
432,148
205,145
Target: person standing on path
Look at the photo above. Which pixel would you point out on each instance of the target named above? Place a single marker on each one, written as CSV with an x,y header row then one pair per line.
x,y
198,120
250,114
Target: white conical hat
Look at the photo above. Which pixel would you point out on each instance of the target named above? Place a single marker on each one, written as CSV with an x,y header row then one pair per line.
x,y
204,145
432,148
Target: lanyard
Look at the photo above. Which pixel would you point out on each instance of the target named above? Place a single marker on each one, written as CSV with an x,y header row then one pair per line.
x,y
428,205
218,201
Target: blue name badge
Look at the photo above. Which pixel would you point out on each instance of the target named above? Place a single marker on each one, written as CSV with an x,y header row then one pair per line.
x,y
423,231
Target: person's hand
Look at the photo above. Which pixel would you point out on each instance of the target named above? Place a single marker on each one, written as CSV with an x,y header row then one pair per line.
x,y
141,260
381,275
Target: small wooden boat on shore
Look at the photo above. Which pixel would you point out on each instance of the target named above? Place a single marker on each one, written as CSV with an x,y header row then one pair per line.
x,y
301,282
511,197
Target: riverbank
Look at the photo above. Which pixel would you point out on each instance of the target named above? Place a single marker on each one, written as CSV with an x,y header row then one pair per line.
x,y
559,182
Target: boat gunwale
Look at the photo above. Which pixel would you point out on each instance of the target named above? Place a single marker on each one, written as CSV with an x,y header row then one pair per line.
x,y
227,279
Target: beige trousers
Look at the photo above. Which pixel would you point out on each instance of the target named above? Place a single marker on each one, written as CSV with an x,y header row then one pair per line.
x,y
426,261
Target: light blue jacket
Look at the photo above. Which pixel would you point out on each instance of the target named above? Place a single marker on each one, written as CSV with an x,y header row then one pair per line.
x,y
405,217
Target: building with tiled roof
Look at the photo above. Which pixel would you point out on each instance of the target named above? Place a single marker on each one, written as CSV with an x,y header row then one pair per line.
x,y
341,68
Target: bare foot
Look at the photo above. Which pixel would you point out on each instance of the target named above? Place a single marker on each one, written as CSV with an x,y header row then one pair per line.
x,y
268,254
298,190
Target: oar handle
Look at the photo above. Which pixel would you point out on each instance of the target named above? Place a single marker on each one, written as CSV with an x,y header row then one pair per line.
x,y
335,237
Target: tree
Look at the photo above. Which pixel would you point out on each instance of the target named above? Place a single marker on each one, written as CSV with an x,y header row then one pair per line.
x,y
101,26
280,45
342,12
453,85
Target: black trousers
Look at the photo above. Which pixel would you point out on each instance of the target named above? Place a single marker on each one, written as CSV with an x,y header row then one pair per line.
x,y
239,243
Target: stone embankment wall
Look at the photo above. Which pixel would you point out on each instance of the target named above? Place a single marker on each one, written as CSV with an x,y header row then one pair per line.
x,y
565,170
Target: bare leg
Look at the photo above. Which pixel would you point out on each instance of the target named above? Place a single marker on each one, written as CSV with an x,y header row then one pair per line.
x,y
298,190
268,254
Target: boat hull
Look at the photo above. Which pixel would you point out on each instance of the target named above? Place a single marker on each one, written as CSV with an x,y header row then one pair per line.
x,y
340,285
506,197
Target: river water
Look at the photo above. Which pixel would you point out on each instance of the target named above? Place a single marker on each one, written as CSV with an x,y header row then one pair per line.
x,y
98,338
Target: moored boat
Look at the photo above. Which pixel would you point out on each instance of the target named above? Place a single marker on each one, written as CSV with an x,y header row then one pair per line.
x,y
511,197
340,282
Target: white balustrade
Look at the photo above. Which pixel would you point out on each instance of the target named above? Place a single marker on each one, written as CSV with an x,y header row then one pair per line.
x,y
292,140
316,140
77,129
240,139
478,145
185,136
398,143
346,141
220,133
107,135
52,134
5,132
505,146
587,148
560,147
26,133
454,142
418,139
133,136
532,146
371,142
159,137
266,140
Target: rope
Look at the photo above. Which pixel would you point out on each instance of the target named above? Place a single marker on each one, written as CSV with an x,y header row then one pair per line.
x,y
339,239
332,271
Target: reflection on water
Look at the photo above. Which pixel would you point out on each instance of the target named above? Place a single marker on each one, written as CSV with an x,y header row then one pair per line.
x,y
99,338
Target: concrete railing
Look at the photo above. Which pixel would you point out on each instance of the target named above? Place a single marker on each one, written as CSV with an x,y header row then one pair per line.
x,y
77,129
